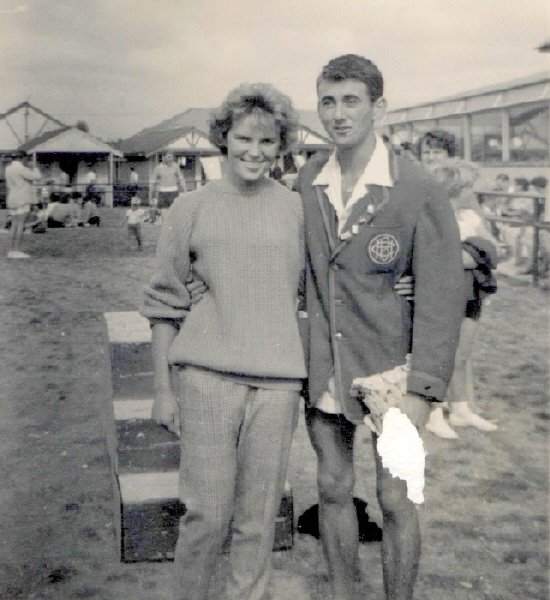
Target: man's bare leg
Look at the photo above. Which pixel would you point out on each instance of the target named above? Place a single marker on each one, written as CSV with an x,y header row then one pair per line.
x,y
401,537
332,438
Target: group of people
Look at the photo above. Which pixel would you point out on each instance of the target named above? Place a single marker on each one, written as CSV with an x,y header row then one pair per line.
x,y
371,252
518,238
29,213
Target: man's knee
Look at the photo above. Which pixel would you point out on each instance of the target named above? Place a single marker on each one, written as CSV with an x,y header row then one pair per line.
x,y
335,487
392,495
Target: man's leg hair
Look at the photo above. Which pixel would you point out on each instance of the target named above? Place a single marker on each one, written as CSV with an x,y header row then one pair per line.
x,y
332,438
401,537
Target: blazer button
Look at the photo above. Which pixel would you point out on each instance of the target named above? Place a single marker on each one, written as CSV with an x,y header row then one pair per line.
x,y
338,335
335,266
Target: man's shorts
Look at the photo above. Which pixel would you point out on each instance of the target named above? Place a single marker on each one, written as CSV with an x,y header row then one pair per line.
x,y
21,210
166,198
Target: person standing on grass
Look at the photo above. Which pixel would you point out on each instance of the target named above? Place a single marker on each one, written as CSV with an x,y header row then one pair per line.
x,y
20,177
371,217
134,218
168,182
237,353
479,256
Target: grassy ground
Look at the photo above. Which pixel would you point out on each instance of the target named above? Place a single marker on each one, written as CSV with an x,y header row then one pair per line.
x,y
485,526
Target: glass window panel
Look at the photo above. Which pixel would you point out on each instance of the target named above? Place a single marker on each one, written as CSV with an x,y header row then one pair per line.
x,y
529,127
419,128
487,136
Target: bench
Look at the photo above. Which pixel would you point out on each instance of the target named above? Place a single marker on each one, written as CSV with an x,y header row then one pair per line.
x,y
145,456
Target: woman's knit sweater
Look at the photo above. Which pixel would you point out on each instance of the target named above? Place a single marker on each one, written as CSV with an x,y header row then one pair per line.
x,y
249,250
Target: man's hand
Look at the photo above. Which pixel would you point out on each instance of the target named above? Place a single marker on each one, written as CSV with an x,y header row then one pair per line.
x,y
405,287
196,289
166,411
417,408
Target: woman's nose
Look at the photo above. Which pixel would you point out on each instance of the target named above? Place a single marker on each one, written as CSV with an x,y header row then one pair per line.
x,y
254,149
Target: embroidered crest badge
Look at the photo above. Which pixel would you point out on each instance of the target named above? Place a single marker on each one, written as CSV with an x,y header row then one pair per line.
x,y
383,248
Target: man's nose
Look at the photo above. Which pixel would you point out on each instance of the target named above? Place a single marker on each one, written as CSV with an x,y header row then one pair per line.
x,y
338,111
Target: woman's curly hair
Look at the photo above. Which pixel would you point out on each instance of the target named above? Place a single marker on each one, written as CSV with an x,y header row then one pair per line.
x,y
249,98
456,175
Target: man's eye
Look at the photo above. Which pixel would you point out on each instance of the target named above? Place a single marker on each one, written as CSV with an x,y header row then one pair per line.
x,y
327,102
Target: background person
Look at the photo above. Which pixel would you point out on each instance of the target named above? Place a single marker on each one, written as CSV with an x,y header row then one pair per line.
x,y
133,218
63,212
479,259
168,181
89,213
20,177
238,352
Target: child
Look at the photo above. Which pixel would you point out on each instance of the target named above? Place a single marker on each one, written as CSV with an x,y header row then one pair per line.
x,y
134,217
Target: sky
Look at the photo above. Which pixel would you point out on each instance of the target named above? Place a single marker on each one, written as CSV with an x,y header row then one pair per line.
x,y
123,65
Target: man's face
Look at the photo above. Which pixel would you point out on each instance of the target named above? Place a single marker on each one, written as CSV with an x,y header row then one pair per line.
x,y
503,183
168,158
346,111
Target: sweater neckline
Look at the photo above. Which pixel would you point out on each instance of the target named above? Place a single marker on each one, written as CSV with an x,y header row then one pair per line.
x,y
226,187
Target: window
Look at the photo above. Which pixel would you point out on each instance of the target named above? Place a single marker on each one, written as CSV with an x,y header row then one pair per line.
x,y
529,126
487,136
419,128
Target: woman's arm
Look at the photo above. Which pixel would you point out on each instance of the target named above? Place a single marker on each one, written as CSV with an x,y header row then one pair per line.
x,y
165,405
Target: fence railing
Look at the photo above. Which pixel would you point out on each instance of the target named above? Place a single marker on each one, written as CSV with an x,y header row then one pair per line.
x,y
535,220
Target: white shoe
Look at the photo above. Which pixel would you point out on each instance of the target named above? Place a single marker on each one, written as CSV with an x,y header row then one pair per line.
x,y
471,419
438,425
18,254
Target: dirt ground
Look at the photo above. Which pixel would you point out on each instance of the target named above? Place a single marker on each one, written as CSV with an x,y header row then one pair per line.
x,y
485,520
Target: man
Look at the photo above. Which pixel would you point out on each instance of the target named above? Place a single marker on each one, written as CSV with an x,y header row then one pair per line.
x,y
370,218
168,182
21,195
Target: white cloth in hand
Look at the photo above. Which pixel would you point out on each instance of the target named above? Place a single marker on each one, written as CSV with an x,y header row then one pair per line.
x,y
402,452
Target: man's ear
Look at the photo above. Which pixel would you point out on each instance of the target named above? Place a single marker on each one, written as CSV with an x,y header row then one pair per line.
x,y
380,107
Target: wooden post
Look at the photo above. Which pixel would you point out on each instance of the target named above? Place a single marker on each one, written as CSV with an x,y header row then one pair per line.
x,y
110,195
537,211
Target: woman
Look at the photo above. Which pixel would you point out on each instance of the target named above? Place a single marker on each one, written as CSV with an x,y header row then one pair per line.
x,y
437,152
237,354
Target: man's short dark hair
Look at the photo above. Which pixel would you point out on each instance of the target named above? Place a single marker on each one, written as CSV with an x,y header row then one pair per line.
x,y
353,66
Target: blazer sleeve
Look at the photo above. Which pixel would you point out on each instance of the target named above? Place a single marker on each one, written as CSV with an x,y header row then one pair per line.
x,y
439,295
166,298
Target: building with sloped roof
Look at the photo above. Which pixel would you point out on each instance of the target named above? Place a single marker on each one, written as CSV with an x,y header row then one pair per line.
x,y
64,154
74,152
503,127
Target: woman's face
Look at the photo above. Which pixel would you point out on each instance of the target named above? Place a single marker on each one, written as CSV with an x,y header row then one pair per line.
x,y
431,157
253,143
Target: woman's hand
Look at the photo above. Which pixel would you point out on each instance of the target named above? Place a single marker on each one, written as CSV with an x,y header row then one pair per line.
x,y
405,287
196,289
166,411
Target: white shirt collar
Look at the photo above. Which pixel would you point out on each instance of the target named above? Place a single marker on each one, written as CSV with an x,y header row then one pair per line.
x,y
377,172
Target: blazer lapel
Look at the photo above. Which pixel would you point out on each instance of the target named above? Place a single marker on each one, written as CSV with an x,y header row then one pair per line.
x,y
363,213
323,203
